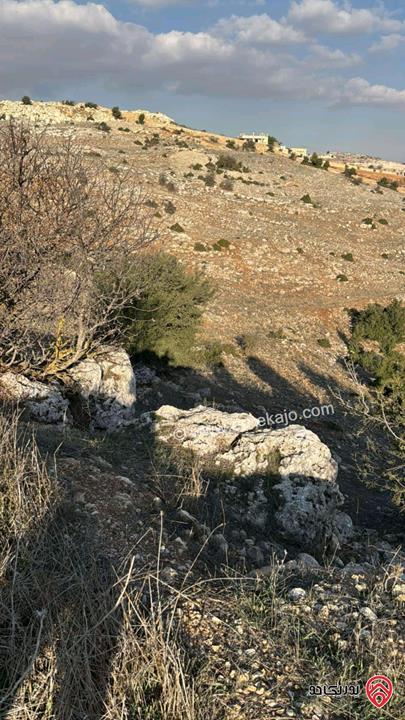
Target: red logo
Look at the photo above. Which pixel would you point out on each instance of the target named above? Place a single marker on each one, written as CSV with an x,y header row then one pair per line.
x,y
379,690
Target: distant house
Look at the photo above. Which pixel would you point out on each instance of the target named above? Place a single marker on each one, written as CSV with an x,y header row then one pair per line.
x,y
260,138
297,151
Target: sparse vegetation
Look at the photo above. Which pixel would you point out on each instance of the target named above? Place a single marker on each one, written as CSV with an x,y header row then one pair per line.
x,y
104,127
116,113
350,172
177,228
249,146
141,119
26,100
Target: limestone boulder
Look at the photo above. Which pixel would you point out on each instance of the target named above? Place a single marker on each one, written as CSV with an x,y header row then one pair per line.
x,y
44,403
108,387
294,488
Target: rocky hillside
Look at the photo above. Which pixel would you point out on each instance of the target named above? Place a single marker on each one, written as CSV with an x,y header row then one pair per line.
x,y
198,560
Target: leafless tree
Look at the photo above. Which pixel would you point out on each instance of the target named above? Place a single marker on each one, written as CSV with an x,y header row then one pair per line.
x,y
65,222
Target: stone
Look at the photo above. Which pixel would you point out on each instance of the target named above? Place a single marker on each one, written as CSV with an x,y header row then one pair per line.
x,y
308,513
297,594
44,403
303,505
368,614
107,385
308,560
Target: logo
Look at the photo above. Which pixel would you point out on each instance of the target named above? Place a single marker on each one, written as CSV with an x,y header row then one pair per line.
x,y
379,690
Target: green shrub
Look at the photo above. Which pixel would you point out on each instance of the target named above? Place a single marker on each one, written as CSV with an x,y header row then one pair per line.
x,y
199,247
91,105
342,278
383,221
70,103
307,199
216,246
26,100
209,180
348,257
124,129
249,146
177,228
224,243
271,143
324,342
165,318
116,113
104,127
350,171
141,119
228,162
316,161
231,144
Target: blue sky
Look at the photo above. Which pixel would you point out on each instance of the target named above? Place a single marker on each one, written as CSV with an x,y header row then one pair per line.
x,y
328,74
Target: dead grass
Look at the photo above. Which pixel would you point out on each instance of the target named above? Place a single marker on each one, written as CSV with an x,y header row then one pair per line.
x,y
80,636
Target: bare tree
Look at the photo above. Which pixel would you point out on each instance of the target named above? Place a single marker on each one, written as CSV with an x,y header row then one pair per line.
x,y
65,221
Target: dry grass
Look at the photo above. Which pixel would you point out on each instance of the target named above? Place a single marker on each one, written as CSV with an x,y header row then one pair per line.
x,y
80,637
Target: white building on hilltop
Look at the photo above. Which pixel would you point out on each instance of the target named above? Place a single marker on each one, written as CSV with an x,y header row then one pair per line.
x,y
259,139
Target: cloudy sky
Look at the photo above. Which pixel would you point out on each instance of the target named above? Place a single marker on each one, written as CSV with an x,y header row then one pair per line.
x,y
328,74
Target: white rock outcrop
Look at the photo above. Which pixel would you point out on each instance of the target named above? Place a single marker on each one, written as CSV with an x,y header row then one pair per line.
x,y
107,384
45,403
296,487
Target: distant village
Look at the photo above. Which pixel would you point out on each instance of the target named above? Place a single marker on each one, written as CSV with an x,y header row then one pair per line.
x,y
365,163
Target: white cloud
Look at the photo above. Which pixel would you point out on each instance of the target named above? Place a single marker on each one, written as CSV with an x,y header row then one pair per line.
x,y
335,18
47,47
324,57
160,3
358,91
387,43
258,29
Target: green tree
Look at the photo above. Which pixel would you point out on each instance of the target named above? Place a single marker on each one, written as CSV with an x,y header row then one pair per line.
x,y
165,316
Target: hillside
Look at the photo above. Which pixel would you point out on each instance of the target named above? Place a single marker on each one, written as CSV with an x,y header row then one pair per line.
x,y
259,605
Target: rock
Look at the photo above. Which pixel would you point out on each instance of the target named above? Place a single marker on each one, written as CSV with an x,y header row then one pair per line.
x,y
308,560
108,386
45,403
368,614
303,505
203,430
236,440
297,594
308,513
